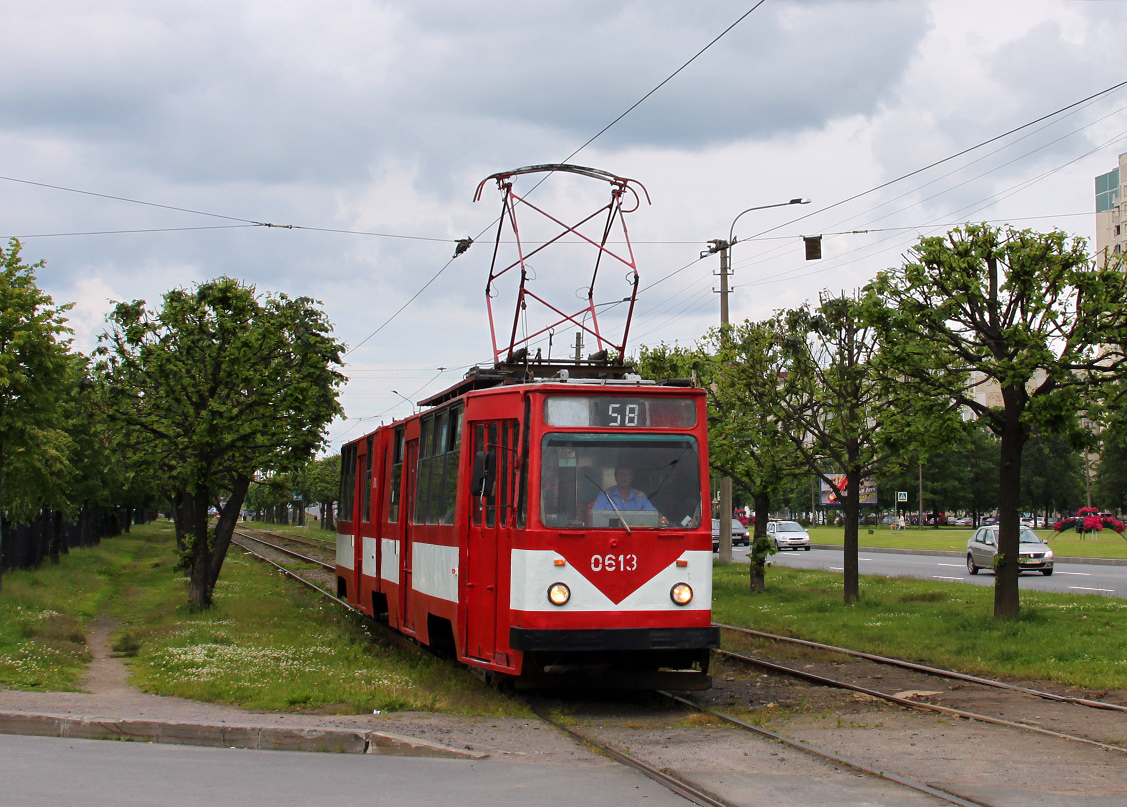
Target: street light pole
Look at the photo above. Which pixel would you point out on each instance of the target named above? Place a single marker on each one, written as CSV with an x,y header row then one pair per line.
x,y
724,248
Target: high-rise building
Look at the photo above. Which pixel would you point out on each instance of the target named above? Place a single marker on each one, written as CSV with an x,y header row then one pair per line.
x,y
1111,198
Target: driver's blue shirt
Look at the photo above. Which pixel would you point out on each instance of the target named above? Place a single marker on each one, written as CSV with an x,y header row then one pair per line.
x,y
635,501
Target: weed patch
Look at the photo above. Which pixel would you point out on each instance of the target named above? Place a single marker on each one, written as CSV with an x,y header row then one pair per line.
x,y
269,644
44,613
1065,638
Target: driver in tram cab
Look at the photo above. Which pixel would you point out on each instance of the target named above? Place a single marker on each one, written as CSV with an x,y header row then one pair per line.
x,y
623,495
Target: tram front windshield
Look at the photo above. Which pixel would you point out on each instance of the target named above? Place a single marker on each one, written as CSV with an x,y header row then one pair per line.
x,y
615,481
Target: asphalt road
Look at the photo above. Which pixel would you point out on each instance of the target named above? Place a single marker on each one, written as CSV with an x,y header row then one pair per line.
x,y
1073,578
95,773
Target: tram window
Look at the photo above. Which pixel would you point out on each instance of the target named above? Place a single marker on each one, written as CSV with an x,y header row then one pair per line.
x,y
396,476
607,481
347,481
480,485
423,472
366,493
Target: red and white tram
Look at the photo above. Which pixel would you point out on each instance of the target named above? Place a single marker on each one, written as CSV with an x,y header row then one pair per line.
x,y
491,526
543,521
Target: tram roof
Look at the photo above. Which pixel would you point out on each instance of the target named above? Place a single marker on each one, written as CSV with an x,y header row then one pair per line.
x,y
594,373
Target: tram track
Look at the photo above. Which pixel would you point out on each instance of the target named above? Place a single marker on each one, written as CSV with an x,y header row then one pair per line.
x,y
683,785
911,700
927,670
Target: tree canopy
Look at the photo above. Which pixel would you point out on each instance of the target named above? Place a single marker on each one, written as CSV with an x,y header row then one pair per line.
x,y
216,385
1017,328
34,367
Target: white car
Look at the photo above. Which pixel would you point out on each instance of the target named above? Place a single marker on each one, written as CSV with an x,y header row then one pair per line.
x,y
788,535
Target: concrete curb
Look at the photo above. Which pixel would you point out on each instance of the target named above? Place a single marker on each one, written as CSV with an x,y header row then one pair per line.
x,y
262,738
951,554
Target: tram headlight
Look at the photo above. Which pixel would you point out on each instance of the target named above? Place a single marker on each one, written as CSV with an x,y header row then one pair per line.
x,y
681,594
559,594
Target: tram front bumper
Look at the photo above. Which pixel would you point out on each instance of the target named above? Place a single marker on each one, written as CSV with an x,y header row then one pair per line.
x,y
604,639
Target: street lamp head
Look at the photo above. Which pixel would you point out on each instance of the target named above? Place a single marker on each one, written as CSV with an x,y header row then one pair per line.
x,y
799,201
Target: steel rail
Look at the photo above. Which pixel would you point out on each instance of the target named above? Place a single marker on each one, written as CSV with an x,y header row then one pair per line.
x,y
684,789
299,578
396,638
912,704
831,756
678,786
938,671
327,566
321,545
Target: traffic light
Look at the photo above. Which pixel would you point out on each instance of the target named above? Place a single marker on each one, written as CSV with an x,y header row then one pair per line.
x,y
813,247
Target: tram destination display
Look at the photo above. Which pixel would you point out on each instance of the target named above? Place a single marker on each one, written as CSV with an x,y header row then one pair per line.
x,y
611,412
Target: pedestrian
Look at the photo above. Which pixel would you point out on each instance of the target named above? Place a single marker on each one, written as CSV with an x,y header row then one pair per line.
x,y
903,526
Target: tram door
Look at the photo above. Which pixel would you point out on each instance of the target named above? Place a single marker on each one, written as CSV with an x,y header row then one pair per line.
x,y
406,590
493,512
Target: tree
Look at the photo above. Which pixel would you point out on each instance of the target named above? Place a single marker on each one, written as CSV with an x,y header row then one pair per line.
x,y
752,442
834,405
1018,328
1052,475
324,487
33,368
1110,486
217,385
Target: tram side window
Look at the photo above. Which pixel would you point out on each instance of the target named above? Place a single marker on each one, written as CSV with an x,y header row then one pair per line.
x,y
396,476
347,481
366,493
423,472
452,452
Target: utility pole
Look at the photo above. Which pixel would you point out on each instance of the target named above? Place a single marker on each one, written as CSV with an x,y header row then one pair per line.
x,y
725,551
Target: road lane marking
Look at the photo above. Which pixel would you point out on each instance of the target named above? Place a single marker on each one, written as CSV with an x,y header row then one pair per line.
x,y
941,577
1085,588
1081,574
956,565
837,568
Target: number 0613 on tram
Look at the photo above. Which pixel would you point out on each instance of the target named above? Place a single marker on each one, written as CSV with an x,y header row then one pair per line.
x,y
552,532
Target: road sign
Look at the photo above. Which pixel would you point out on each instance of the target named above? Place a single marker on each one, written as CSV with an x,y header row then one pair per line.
x,y
901,495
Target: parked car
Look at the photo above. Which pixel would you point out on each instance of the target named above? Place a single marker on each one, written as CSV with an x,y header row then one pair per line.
x,y
788,535
1034,554
740,534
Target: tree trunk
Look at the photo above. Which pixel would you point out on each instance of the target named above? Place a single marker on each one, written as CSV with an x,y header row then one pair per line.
x,y
760,545
56,536
1007,600
228,518
199,544
852,508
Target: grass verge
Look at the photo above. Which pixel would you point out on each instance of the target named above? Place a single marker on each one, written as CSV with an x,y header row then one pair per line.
x,y
1065,638
44,613
269,644
1067,544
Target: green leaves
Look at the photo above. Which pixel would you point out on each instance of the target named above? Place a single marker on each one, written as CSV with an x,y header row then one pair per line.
x,y
218,385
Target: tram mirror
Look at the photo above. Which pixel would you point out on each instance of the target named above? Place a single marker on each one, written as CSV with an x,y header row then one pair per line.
x,y
484,472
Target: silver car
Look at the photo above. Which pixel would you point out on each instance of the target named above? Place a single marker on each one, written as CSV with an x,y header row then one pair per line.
x,y
1034,554
788,535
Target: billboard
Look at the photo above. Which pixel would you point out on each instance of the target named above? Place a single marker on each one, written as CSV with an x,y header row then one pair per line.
x,y
868,491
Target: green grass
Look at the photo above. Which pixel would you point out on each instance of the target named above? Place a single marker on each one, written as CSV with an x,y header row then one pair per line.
x,y
1065,638
269,644
1066,544
44,613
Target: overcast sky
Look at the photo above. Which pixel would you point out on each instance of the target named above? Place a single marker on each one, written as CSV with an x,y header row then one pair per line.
x,y
382,118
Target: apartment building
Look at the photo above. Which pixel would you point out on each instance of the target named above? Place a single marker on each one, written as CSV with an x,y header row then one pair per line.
x,y
1111,198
